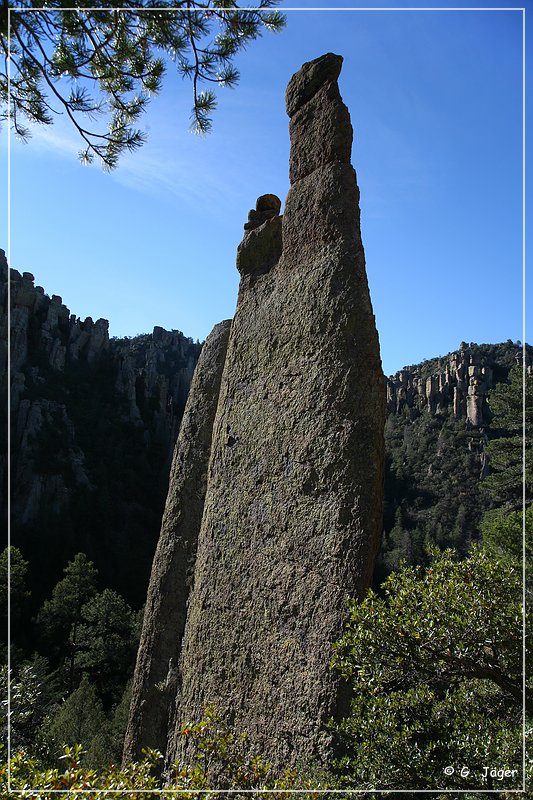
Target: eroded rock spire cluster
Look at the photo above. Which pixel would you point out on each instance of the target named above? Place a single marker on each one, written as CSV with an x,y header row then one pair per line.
x,y
274,511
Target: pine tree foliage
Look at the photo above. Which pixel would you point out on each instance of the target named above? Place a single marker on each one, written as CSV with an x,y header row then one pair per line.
x,y
17,590
504,486
97,61
107,643
78,720
505,535
116,729
60,617
63,610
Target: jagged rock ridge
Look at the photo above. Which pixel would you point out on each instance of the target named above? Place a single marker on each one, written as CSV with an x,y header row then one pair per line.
x,y
293,506
82,406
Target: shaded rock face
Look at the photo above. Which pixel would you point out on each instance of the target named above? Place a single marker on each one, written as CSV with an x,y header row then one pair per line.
x,y
154,685
267,206
293,507
83,407
261,247
47,342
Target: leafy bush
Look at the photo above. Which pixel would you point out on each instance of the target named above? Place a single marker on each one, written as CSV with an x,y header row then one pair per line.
x,y
436,666
28,774
219,758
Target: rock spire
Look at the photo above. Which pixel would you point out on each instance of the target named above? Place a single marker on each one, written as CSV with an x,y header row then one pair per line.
x,y
293,505
154,685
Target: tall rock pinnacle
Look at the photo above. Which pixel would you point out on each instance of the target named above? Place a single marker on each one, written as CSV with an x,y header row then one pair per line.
x,y
293,509
293,506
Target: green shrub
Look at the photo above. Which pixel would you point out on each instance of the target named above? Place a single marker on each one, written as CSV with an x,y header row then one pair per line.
x,y
219,759
436,668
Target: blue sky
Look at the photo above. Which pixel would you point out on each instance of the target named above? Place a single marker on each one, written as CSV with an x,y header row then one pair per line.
x,y
436,104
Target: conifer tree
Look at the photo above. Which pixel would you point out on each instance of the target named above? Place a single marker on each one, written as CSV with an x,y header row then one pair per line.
x,y
78,720
504,485
18,591
503,534
106,643
60,617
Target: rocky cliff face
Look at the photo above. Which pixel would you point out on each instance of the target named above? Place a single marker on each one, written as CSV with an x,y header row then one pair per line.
x,y
75,397
293,507
458,383
437,429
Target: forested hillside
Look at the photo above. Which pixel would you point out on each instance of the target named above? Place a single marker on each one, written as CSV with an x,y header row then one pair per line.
x,y
436,450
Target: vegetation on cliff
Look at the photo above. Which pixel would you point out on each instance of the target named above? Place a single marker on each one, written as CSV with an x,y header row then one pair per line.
x,y
442,474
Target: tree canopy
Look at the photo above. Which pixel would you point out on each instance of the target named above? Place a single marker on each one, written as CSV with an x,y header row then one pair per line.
x,y
107,643
79,719
69,596
436,670
16,587
98,61
511,449
60,617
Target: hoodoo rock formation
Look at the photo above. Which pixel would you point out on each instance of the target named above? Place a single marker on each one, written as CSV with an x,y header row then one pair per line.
x,y
292,517
461,382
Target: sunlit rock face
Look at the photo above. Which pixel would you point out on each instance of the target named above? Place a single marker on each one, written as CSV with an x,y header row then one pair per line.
x,y
293,504
460,382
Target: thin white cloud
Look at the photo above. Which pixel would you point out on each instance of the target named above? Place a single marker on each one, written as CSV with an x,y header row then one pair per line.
x,y
168,169
180,176
58,138
210,176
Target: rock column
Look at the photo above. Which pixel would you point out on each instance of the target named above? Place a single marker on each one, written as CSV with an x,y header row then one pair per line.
x,y
155,679
293,508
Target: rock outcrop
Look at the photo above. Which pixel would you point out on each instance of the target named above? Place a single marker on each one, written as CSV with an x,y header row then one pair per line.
x,y
293,507
154,685
458,383
45,325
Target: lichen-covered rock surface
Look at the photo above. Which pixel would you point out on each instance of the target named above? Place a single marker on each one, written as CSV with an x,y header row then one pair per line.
x,y
293,508
154,684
